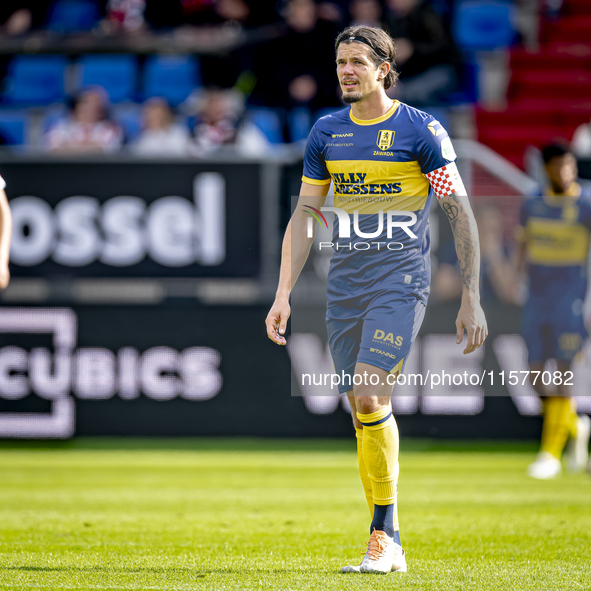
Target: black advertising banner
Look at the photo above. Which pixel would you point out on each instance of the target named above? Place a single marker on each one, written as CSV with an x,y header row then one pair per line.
x,y
114,370
202,371
134,219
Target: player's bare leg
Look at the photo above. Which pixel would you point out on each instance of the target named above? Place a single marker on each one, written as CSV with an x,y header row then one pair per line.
x,y
378,444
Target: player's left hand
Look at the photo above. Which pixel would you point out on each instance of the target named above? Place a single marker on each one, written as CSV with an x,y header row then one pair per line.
x,y
471,317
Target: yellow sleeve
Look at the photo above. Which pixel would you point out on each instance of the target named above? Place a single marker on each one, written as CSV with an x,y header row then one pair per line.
x,y
316,181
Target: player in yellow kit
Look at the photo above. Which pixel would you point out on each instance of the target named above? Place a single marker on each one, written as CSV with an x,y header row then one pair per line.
x,y
384,159
554,238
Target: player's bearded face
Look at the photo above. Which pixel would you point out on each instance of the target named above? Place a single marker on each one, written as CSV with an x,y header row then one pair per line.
x,y
562,172
358,75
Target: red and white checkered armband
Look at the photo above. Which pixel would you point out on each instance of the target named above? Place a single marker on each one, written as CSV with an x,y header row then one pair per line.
x,y
446,180
2,183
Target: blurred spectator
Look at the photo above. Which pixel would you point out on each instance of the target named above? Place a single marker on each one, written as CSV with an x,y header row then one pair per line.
x,y
297,71
125,16
552,8
219,124
581,144
367,13
20,16
174,13
232,11
87,129
333,11
308,75
219,23
160,135
426,56
498,279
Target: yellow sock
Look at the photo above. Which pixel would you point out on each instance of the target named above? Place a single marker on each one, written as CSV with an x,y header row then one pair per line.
x,y
573,419
559,422
363,470
380,452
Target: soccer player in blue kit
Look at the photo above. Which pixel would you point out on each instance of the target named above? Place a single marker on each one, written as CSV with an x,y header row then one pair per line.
x,y
380,155
554,235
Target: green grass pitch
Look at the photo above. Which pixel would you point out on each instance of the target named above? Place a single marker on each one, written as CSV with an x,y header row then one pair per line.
x,y
281,515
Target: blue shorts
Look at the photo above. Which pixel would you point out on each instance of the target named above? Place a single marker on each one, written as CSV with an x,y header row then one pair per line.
x,y
553,330
377,328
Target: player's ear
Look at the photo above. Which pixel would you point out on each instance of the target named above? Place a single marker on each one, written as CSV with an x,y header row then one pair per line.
x,y
383,70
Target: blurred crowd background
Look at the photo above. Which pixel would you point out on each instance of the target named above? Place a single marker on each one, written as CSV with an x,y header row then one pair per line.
x,y
188,77
151,149
200,78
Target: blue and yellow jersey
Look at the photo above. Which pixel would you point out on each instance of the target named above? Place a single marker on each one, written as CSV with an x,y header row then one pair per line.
x,y
556,230
389,164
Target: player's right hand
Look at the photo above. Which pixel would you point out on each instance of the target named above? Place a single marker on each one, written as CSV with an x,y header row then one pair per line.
x,y
4,275
276,321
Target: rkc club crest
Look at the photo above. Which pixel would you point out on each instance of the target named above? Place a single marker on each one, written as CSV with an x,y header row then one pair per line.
x,y
385,139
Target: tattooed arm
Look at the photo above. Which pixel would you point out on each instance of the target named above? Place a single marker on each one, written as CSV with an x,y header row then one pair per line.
x,y
471,317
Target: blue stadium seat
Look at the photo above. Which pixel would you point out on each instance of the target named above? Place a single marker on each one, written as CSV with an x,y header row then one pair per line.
x,y
300,124
14,128
172,77
269,122
69,16
484,24
35,79
117,74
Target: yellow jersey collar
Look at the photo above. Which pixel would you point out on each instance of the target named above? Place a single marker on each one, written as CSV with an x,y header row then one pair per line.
x,y
383,117
555,199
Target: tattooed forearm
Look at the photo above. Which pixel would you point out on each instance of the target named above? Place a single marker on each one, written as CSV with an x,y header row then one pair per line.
x,y
463,225
450,210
